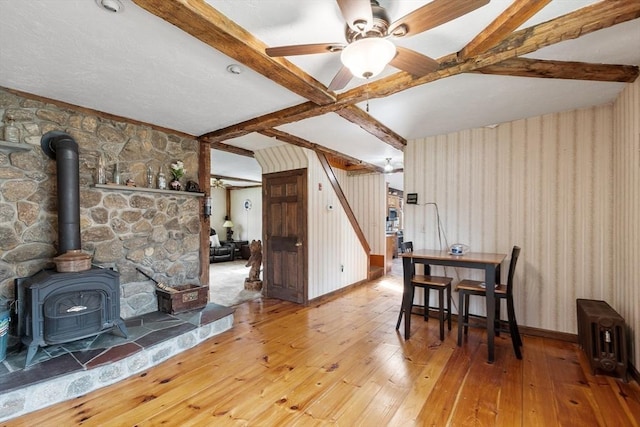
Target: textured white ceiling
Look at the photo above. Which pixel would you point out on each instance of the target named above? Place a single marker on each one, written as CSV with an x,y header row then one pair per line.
x,y
136,65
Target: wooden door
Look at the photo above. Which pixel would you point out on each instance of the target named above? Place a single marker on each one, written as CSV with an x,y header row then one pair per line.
x,y
285,234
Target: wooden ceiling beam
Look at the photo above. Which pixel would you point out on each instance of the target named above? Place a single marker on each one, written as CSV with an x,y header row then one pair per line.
x,y
198,18
233,178
356,116
507,22
346,165
230,148
526,67
300,142
271,120
570,26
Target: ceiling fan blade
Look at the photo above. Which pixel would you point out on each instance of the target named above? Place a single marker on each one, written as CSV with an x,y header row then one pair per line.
x,y
341,79
413,62
304,49
357,14
432,15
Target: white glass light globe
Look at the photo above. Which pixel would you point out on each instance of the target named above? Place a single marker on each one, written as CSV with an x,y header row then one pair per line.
x,y
366,58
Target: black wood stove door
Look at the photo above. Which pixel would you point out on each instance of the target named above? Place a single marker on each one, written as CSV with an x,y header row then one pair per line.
x,y
55,307
71,314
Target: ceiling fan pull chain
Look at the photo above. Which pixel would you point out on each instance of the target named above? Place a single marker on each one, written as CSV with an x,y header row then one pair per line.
x,y
366,89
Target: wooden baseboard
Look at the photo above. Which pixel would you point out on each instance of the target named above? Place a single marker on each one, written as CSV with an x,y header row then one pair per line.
x,y
336,293
546,333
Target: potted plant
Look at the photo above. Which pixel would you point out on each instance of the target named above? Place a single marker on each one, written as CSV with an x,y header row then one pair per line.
x,y
177,172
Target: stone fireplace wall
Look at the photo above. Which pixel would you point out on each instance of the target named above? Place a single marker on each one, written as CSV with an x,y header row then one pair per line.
x,y
155,231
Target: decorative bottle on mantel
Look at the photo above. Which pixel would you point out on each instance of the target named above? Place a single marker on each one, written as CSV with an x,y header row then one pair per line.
x,y
162,180
101,178
116,174
11,132
149,177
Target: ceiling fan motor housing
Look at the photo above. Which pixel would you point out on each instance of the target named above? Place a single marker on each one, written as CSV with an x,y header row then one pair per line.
x,y
378,29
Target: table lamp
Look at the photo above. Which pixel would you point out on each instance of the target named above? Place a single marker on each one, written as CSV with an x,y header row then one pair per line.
x,y
228,224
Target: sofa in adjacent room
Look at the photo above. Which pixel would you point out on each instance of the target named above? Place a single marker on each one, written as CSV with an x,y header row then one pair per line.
x,y
219,252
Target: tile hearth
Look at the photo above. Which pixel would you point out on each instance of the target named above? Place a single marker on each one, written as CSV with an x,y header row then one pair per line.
x,y
63,371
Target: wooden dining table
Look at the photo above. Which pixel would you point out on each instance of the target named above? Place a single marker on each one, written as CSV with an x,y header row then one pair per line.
x,y
489,262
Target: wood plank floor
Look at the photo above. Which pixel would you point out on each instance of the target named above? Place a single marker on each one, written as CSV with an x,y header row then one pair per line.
x,y
341,362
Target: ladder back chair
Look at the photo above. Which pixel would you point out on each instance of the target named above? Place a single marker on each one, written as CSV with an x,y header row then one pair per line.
x,y
427,282
475,287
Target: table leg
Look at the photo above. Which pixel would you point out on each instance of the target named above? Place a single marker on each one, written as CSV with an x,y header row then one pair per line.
x,y
490,277
406,295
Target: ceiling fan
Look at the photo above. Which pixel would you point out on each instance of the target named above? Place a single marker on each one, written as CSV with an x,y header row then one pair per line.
x,y
368,29
217,183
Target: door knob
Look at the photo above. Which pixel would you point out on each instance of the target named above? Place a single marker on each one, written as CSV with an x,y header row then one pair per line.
x,y
298,243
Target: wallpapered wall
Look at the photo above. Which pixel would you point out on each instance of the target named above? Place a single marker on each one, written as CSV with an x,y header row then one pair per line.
x,y
367,195
336,258
563,186
626,211
544,184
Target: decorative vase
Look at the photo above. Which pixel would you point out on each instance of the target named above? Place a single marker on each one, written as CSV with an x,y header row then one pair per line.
x,y
162,180
175,185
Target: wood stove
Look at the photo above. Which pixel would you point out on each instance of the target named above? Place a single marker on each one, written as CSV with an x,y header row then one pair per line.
x,y
55,307
74,301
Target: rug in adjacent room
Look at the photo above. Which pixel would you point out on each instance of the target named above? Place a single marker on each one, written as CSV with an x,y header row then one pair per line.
x,y
226,283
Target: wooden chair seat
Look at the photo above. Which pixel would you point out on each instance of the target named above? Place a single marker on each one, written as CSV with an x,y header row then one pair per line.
x,y
440,281
477,287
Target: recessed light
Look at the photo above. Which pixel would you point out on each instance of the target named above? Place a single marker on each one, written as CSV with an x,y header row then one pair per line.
x,y
234,69
113,6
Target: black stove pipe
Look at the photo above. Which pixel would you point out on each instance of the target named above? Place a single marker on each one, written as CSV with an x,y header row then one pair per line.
x,y
61,147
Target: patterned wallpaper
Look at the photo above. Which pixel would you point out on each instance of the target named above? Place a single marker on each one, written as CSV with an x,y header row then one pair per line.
x,y
543,183
626,212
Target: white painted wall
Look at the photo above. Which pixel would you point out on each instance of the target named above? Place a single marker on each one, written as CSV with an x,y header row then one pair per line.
x,y
247,223
218,211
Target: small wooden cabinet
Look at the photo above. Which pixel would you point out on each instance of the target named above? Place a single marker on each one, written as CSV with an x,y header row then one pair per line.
x,y
391,250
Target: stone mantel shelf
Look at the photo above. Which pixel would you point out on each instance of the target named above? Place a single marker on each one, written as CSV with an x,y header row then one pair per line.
x,y
114,187
14,146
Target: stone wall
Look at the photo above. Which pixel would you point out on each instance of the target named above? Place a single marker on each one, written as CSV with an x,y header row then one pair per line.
x,y
158,232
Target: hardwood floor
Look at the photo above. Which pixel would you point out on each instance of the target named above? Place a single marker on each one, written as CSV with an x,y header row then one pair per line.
x,y
341,362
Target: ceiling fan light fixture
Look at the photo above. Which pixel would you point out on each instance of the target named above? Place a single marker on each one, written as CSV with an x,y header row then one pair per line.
x,y
388,167
217,183
367,57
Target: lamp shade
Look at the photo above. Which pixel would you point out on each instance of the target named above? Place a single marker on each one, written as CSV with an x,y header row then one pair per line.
x,y
227,224
366,58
